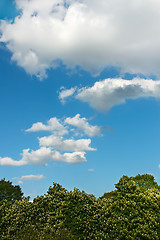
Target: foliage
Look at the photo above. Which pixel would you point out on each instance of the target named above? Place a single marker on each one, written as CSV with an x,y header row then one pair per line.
x,y
9,192
109,195
134,214
132,211
29,233
145,181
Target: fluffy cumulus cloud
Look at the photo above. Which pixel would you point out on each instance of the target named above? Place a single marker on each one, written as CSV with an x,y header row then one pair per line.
x,y
6,161
104,95
53,125
90,33
66,145
43,156
55,147
82,125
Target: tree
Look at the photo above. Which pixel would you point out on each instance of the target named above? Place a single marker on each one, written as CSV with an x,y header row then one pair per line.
x,y
109,195
145,181
133,213
129,212
10,192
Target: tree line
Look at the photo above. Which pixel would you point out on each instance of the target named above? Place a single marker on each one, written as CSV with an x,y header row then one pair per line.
x,y
131,211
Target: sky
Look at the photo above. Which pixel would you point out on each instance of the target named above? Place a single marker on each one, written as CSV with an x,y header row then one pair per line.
x,y
79,93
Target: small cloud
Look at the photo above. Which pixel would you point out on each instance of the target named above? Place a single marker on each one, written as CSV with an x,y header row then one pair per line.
x,y
66,93
20,182
32,177
28,178
91,170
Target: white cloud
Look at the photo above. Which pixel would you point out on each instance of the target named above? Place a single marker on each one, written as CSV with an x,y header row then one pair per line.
x,y
65,93
91,170
110,92
66,145
20,182
6,161
29,177
75,157
55,147
43,156
83,125
91,34
32,177
53,125
60,129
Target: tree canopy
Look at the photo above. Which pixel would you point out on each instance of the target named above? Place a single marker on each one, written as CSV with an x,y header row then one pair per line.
x,y
10,192
132,211
145,181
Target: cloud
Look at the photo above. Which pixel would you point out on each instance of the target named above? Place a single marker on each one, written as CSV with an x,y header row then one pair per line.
x,y
53,125
43,156
60,129
91,170
65,93
20,182
83,125
56,147
90,34
6,161
110,92
66,145
75,157
32,177
29,177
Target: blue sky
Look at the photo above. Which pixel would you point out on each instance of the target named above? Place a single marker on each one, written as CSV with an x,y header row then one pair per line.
x,y
79,88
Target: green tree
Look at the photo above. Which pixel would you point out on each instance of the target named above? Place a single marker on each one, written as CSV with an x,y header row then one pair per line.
x,y
129,212
10,192
82,214
133,213
109,195
145,181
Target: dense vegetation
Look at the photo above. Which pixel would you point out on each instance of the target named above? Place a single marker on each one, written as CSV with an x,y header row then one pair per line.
x,y
132,211
9,192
